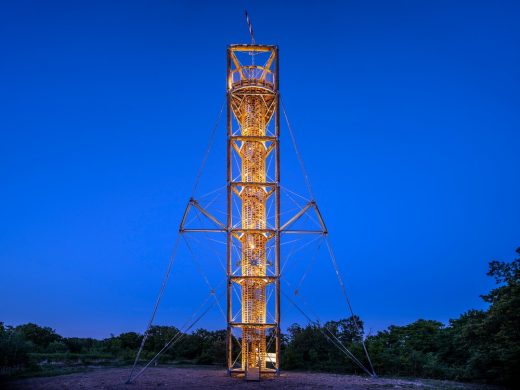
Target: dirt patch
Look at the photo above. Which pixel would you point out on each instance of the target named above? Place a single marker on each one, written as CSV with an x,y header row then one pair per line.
x,y
205,378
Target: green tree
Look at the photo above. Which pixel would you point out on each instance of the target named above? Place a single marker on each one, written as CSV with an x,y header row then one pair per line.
x,y
501,353
40,336
130,340
57,347
407,350
462,344
82,345
14,348
348,330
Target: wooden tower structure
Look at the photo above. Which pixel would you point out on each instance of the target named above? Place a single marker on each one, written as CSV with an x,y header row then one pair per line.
x,y
253,126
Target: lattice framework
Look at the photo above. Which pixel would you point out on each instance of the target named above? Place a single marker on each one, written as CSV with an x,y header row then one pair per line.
x,y
253,100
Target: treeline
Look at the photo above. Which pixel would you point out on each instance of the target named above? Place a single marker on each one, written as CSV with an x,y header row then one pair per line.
x,y
27,346
480,346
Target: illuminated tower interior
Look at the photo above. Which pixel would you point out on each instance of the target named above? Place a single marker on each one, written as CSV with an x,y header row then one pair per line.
x,y
253,124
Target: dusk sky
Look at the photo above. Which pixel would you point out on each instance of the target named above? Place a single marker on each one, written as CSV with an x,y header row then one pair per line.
x,y
405,112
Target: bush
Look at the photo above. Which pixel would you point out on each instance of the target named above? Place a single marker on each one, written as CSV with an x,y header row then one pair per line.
x,y
14,348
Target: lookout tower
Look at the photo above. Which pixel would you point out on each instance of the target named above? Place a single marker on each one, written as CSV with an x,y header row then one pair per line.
x,y
252,104
252,232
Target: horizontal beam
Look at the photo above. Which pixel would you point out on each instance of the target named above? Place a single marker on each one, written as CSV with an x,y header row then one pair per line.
x,y
304,232
240,279
252,325
253,277
253,184
261,48
262,371
253,138
203,231
253,231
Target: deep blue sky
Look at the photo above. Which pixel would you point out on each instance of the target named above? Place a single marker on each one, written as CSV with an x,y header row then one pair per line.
x,y
406,113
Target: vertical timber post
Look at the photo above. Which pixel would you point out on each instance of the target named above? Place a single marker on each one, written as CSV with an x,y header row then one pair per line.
x,y
277,216
229,219
252,105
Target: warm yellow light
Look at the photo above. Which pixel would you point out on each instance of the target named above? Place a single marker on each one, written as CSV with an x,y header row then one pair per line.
x,y
253,99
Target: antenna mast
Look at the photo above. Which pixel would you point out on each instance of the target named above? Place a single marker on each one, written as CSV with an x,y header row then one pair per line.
x,y
250,26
